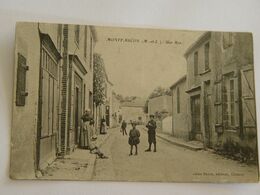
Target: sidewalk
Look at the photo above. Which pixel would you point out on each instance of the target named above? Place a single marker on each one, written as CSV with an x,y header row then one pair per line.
x,y
192,145
79,165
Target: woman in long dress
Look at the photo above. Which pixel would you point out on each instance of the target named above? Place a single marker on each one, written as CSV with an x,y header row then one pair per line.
x,y
85,134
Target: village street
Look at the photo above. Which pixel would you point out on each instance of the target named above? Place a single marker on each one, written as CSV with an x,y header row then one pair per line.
x,y
169,163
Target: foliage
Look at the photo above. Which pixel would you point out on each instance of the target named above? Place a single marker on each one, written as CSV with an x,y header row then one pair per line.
x,y
159,91
99,80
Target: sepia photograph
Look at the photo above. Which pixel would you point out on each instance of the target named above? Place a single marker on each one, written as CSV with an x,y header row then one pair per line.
x,y
98,103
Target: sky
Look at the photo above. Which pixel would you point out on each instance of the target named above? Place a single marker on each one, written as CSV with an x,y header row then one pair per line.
x,y
139,60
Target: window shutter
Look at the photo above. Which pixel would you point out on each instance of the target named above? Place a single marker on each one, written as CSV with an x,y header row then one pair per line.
x,y
21,81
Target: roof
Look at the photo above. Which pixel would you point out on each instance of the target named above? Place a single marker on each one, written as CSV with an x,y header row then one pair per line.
x,y
183,78
200,40
138,102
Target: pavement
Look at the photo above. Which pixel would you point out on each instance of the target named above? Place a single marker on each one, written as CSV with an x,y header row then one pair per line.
x,y
79,165
192,145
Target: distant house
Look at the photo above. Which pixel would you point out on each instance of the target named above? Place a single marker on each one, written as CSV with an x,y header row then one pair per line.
x,y
180,117
115,111
160,104
133,111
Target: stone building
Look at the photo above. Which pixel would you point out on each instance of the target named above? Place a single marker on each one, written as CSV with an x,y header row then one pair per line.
x,y
133,111
180,117
52,87
220,85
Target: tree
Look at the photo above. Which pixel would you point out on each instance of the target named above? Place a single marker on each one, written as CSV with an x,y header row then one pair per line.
x,y
99,80
159,91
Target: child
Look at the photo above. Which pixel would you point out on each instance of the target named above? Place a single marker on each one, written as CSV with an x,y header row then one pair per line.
x,y
123,127
133,140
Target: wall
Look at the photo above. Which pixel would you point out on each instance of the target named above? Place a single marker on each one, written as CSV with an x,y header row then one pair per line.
x,y
180,121
159,104
24,126
132,113
167,125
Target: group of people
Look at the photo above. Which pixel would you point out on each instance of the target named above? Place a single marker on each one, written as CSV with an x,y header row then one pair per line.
x,y
134,135
88,134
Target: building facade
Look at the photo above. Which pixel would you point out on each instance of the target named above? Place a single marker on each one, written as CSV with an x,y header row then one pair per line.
x,y
180,116
53,86
220,85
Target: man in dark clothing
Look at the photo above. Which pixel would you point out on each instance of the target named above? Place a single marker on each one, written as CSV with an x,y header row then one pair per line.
x,y
151,125
123,127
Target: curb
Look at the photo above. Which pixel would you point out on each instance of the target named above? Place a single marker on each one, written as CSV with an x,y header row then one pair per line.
x,y
183,145
194,148
93,161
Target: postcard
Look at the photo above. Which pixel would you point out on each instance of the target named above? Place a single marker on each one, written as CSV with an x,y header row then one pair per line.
x,y
101,103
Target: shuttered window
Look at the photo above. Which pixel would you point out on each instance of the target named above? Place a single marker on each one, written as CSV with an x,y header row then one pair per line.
x,y
227,39
21,81
196,63
230,103
206,50
91,52
85,42
49,93
178,100
77,34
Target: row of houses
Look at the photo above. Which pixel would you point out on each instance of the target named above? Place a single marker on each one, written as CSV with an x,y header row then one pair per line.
x,y
214,103
53,86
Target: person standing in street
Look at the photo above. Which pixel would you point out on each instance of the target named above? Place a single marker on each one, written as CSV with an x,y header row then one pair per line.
x,y
133,140
103,126
123,127
151,126
85,133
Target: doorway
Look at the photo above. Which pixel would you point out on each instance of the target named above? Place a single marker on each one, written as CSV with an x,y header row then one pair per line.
x,y
207,114
195,115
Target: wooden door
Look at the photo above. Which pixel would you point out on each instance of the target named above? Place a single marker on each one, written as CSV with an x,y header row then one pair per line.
x,y
195,114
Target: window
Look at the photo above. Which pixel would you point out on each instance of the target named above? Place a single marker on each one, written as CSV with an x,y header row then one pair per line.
x,y
21,81
206,50
90,101
196,63
178,100
227,40
218,105
84,97
77,34
91,52
232,104
59,35
85,42
49,97
229,103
